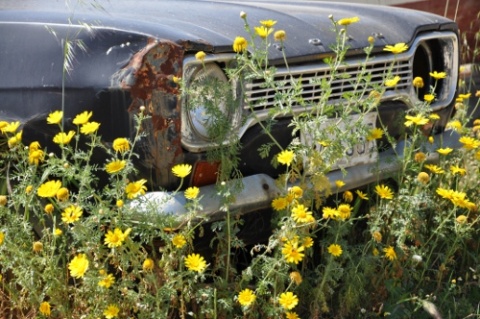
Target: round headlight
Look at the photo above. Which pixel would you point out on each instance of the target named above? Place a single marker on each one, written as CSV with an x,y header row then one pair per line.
x,y
207,101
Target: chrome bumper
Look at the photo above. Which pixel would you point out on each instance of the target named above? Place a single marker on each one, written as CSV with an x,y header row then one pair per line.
x,y
258,191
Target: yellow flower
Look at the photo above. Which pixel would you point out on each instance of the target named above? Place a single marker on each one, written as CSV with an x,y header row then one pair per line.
x,y
339,183
420,157
115,166
195,262
116,237
285,157
418,82
63,138
55,117
434,117
375,252
3,200
384,191
280,35
459,199
78,266
240,44
423,177
465,96
288,300
135,189
438,75
148,264
121,145
34,146
458,170
107,281
49,189
296,277
44,308
182,170
445,151
455,125
35,156
296,191
279,203
292,252
469,143
82,118
179,241
392,82
300,214
361,194
262,31
200,56
307,242
445,193
57,232
377,236
246,297
2,237
11,127
329,212
348,21
324,143
344,211
62,194
390,253
477,155
119,203
348,196
111,311
268,23
15,140
461,219
397,48
37,246
375,134
429,97
49,208
71,214
89,128
192,192
434,168
335,250
291,315
417,120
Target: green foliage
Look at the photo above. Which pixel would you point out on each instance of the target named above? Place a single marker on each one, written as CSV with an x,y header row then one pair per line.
x,y
404,247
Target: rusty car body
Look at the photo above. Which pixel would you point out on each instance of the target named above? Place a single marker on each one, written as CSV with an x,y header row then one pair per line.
x,y
127,54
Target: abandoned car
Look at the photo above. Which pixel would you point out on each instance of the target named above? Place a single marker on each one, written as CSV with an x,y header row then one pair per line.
x,y
130,54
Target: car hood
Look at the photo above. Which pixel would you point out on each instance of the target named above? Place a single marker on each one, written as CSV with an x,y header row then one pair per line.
x,y
213,25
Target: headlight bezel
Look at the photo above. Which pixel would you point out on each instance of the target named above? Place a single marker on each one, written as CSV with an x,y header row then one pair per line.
x,y
194,118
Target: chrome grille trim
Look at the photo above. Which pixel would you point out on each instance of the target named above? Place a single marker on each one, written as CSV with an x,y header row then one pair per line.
x,y
259,97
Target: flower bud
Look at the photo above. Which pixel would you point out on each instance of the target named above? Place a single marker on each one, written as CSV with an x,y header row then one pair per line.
x,y
37,246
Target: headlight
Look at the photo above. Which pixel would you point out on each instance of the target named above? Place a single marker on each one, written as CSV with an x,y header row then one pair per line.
x,y
210,111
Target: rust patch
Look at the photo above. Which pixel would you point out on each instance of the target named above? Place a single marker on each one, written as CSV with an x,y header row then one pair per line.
x,y
149,78
153,68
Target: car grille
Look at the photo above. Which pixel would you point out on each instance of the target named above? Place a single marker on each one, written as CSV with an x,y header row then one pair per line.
x,y
261,96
